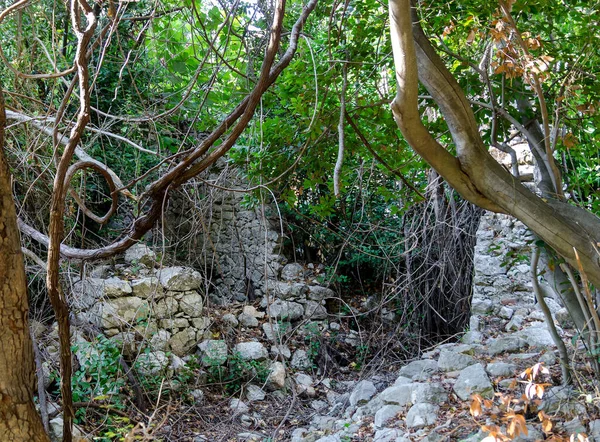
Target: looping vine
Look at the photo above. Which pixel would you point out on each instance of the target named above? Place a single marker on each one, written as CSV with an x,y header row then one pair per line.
x,y
80,165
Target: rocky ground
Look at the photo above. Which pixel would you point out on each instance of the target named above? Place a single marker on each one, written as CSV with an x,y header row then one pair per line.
x,y
285,368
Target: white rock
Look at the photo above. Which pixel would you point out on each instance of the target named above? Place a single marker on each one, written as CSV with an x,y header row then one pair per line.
x,y
140,253
301,361
292,271
362,393
421,415
214,352
276,379
191,303
385,414
180,279
152,363
254,393
419,370
238,407
251,351
451,361
148,288
473,379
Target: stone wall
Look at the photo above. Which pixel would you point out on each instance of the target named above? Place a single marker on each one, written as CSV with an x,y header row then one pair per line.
x,y
238,244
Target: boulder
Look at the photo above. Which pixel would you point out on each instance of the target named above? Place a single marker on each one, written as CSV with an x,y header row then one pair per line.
x,y
254,393
292,272
385,414
305,385
147,288
286,290
121,312
421,415
182,342
276,379
451,361
140,254
152,363
473,379
314,310
238,407
180,279
276,330
191,303
166,308
213,352
301,361
319,293
362,393
115,288
505,344
397,395
537,335
251,351
286,310
419,370
504,369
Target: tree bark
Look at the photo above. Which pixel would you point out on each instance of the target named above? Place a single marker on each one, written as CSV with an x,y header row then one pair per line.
x,y
19,420
473,172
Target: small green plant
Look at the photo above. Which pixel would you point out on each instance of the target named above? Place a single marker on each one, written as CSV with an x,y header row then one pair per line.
x,y
236,372
312,338
99,376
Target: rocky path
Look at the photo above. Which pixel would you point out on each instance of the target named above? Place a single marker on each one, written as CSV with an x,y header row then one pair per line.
x,y
428,399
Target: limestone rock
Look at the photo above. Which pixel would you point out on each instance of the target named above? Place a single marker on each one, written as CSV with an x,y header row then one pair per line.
x,y
537,335
160,340
419,370
276,330
281,350
451,361
152,363
115,287
254,393
300,360
421,415
362,393
473,379
140,253
397,395
230,319
180,279
390,435
238,407
147,288
286,310
198,396
292,272
319,293
314,310
286,290
505,344
251,351
121,312
166,308
247,320
304,385
191,303
385,414
276,379
213,352
504,369
182,342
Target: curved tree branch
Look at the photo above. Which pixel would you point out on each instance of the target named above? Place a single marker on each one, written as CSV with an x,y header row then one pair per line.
x,y
473,172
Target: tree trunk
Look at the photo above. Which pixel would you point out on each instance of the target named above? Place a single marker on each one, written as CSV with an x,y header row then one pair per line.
x,y
19,420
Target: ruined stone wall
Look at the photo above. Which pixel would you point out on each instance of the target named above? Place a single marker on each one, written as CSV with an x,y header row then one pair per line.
x,y
233,238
